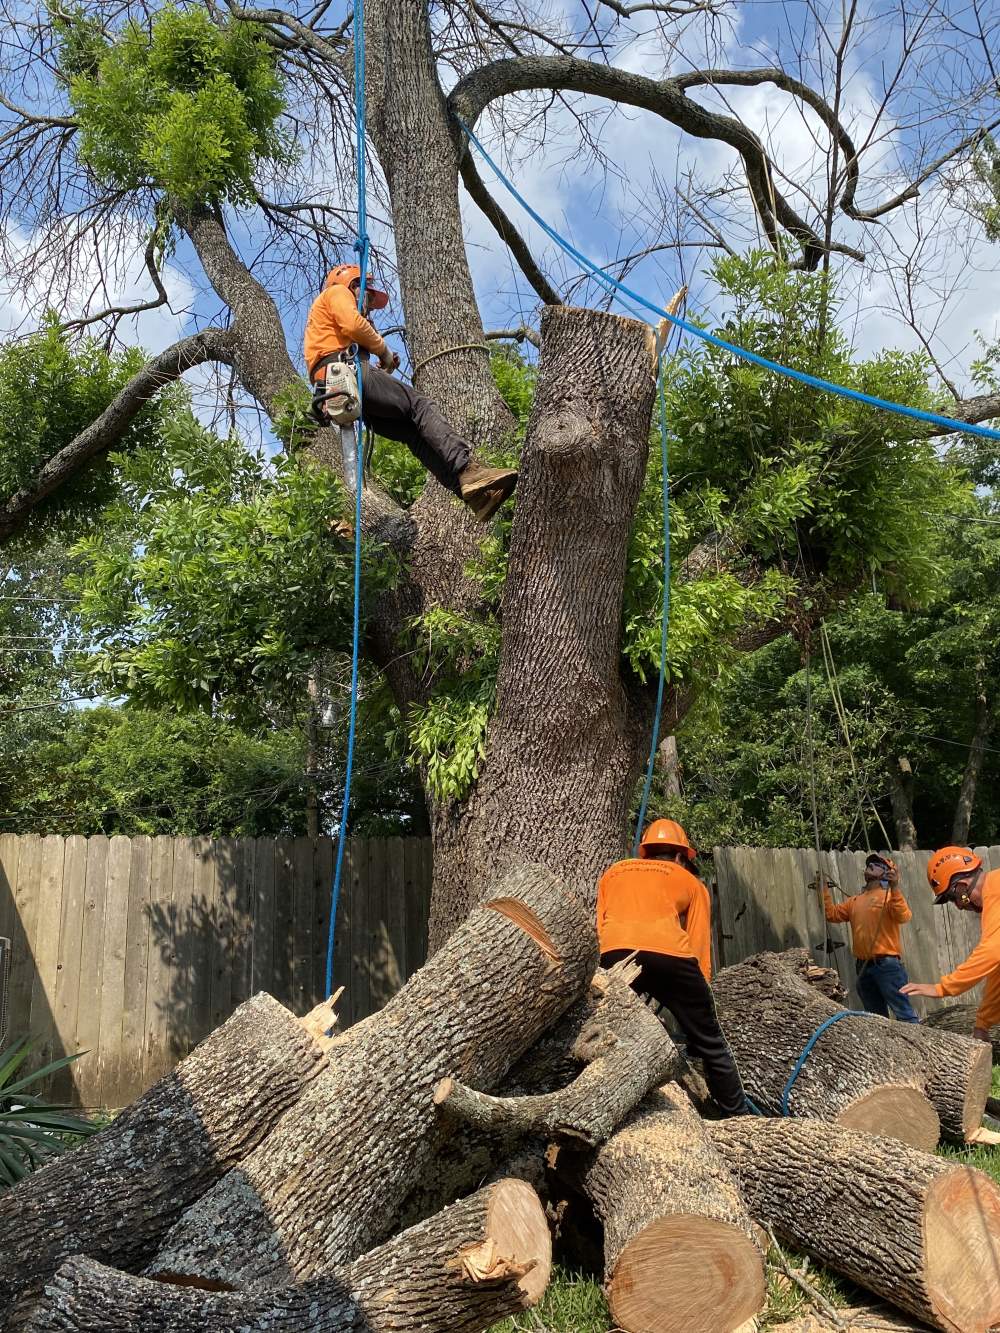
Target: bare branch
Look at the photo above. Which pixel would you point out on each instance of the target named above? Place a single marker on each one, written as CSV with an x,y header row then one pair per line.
x,y
519,335
507,232
105,432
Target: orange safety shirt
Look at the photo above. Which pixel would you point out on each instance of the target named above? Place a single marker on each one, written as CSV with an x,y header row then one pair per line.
x,y
655,905
875,916
984,961
334,323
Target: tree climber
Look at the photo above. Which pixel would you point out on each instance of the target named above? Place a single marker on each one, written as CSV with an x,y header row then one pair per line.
x,y
876,914
957,876
654,904
334,327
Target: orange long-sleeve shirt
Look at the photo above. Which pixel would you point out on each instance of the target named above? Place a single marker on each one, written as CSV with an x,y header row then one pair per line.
x,y
984,961
875,916
334,322
655,905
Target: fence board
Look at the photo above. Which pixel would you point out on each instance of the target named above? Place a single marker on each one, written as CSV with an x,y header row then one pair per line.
x,y
45,948
357,923
239,987
223,934
349,1007
284,920
323,859
136,970
86,1073
156,1058
262,945
10,854
303,925
179,934
70,945
113,976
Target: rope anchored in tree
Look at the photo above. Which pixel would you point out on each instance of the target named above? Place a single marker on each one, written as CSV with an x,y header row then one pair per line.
x,y
361,245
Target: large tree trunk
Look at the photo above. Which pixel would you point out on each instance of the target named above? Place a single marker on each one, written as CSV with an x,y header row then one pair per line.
x,y
679,1244
862,1072
919,1231
459,1272
564,748
328,1183
973,767
900,775
116,1196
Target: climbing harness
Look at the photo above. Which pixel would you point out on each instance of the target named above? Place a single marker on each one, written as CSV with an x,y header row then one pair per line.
x,y
353,475
786,1091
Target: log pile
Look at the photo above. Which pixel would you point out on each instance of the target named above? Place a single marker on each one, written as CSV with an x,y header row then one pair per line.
x,y
405,1174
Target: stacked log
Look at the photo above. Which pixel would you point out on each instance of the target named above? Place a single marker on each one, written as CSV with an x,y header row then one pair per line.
x,y
960,1019
921,1231
680,1248
477,1262
895,1079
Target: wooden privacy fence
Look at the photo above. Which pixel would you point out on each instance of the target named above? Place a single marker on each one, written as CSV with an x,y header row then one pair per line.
x,y
763,902
134,949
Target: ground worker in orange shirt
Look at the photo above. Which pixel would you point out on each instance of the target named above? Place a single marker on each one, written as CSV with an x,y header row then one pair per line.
x,y
876,914
956,875
334,329
656,905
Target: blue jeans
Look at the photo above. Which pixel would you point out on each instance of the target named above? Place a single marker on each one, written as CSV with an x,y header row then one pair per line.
x,y
878,985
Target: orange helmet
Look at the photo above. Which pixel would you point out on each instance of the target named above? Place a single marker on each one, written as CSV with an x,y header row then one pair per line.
x,y
666,833
944,865
344,274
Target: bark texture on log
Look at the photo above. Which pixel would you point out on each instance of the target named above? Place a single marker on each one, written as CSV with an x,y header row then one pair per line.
x,y
483,1259
918,1230
631,1055
679,1244
863,1071
960,1019
116,1196
328,1183
853,1319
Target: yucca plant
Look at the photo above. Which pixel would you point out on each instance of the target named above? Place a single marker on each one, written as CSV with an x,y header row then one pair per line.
x,y
32,1130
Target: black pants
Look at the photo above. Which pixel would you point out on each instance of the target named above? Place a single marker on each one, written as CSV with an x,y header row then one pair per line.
x,y
395,410
678,984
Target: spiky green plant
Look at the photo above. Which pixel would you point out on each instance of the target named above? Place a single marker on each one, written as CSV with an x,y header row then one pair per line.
x,y
32,1129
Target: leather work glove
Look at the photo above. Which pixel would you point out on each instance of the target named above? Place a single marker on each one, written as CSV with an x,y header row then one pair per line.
x,y
389,361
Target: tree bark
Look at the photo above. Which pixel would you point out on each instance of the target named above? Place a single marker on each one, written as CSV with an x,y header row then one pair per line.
x,y
563,749
668,765
474,1264
328,1183
862,1072
960,1019
973,767
679,1243
115,1197
900,776
915,1229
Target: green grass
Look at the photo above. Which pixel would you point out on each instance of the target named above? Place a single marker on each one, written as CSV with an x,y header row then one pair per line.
x,y
572,1304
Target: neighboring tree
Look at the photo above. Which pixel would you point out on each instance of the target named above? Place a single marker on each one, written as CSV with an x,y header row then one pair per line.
x,y
184,120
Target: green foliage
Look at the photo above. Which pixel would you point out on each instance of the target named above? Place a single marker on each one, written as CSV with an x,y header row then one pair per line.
x,y
50,390
986,165
32,1131
188,106
216,580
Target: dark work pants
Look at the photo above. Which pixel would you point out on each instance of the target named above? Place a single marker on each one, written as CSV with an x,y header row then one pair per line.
x,y
879,981
678,984
394,409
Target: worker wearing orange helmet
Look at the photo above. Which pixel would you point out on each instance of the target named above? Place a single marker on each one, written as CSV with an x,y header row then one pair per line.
x,y
656,905
875,915
957,876
334,328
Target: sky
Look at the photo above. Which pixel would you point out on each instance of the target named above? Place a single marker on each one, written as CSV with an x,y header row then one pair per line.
x,y
608,212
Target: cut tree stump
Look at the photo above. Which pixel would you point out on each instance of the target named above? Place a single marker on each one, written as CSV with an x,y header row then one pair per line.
x,y
479,1261
679,1245
864,1072
116,1196
327,1185
917,1230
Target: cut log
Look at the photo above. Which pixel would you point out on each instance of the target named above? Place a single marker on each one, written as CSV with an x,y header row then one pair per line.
x,y
961,1019
852,1319
864,1072
328,1183
115,1197
459,1272
918,1230
680,1249
959,1075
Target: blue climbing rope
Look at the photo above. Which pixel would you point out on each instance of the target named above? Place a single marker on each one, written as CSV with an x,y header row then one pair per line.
x,y
665,618
786,1091
362,246
814,381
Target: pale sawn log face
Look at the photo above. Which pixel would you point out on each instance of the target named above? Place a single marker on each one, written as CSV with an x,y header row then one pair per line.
x,y
680,1246
768,1011
486,1257
115,1197
918,1230
328,1183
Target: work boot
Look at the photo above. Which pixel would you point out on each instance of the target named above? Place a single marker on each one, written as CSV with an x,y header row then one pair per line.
x,y
484,489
